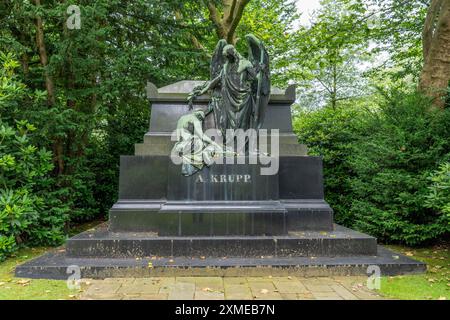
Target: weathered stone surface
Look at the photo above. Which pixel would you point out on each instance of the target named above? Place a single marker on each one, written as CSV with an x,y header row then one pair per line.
x,y
54,266
290,286
238,292
319,295
343,292
231,288
341,242
182,291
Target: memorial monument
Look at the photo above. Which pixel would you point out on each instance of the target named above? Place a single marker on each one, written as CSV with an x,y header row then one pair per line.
x,y
245,200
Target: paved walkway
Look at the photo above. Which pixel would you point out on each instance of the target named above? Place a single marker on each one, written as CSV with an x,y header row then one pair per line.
x,y
229,288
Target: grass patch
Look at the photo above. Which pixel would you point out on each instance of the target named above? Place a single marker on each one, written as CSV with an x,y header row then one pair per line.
x,y
12,288
433,285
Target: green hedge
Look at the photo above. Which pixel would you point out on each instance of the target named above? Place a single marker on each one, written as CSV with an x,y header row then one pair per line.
x,y
378,163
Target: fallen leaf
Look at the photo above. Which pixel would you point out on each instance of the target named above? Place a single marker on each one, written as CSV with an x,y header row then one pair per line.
x,y
24,282
47,291
207,289
409,254
264,291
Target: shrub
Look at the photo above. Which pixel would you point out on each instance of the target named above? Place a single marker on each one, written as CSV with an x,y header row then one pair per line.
x,y
405,142
377,165
26,202
438,197
331,134
30,211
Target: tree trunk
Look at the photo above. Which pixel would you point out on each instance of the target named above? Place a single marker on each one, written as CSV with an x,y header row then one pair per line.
x,y
49,85
58,145
227,22
435,77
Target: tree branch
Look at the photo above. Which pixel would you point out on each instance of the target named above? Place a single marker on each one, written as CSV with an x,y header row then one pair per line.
x,y
236,19
194,39
214,16
231,13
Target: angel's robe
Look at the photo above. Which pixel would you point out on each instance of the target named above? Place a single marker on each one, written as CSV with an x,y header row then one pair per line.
x,y
237,105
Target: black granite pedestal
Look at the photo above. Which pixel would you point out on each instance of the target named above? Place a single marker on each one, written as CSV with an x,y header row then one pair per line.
x,y
228,219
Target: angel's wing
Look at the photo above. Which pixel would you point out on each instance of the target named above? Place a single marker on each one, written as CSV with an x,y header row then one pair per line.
x,y
218,60
259,57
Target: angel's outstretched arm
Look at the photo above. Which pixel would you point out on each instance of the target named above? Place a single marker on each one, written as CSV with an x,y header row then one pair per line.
x,y
210,85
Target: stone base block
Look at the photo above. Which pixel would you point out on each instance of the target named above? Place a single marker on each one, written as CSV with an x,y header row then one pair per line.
x,y
55,266
202,218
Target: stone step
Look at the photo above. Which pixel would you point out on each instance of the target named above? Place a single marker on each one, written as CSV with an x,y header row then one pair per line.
x,y
59,266
101,243
202,218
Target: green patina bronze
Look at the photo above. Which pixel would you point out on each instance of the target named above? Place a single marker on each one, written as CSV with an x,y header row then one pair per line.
x,y
240,92
195,148
240,87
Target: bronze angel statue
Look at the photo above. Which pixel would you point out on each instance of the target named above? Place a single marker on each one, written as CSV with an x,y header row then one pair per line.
x,y
240,87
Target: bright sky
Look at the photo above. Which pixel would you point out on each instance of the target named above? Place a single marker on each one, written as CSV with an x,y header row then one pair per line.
x,y
306,8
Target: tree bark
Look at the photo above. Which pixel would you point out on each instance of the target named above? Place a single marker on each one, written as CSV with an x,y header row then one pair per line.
x,y
227,22
58,144
49,84
435,77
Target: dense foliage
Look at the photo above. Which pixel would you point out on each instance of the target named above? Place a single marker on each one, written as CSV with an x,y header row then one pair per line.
x,y
32,206
380,163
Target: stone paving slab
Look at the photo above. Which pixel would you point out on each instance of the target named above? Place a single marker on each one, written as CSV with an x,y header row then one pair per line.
x,y
228,288
238,292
